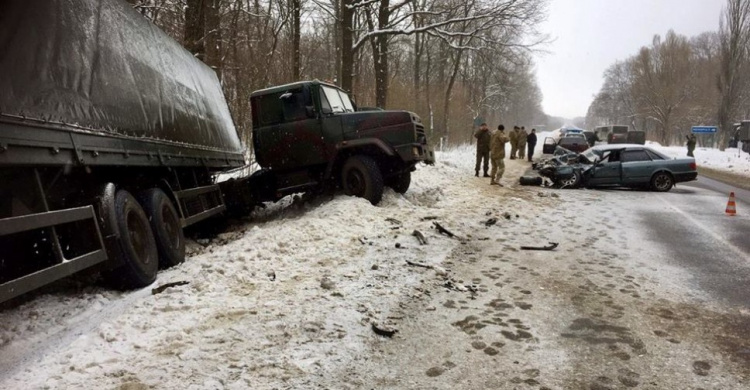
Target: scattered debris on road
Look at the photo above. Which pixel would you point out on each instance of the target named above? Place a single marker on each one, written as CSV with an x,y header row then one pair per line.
x,y
443,230
490,222
163,287
420,237
382,330
551,246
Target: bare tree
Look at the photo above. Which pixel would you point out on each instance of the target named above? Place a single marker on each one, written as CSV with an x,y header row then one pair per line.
x,y
734,33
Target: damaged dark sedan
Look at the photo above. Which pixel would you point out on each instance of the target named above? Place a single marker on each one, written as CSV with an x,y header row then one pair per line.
x,y
618,165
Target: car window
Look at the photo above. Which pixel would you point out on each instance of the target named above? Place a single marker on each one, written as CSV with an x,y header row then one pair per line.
x,y
293,103
655,156
270,109
634,156
334,99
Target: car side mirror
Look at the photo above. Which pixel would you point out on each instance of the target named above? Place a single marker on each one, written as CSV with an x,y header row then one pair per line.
x,y
310,111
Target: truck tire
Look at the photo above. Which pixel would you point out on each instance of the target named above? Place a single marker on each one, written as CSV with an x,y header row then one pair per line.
x,y
165,223
361,177
400,183
136,247
662,182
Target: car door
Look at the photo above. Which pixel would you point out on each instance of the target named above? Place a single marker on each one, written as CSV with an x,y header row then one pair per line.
x,y
636,167
608,171
549,145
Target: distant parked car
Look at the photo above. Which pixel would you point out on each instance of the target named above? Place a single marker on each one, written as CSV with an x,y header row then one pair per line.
x,y
620,165
575,142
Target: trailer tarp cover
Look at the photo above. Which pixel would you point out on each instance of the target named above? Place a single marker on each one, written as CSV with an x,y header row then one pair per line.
x,y
100,65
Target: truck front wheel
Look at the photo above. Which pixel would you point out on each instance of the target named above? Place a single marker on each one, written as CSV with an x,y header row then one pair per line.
x,y
165,223
401,182
361,177
136,247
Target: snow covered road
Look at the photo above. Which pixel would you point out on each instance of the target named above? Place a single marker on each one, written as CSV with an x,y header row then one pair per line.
x,y
289,299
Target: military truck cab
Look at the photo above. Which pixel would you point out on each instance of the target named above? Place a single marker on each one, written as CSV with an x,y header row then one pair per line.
x,y
309,134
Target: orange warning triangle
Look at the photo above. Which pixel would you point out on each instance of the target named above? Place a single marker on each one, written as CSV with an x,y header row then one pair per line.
x,y
731,205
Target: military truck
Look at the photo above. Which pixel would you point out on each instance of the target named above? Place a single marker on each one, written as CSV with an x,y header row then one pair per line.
x,y
742,134
309,135
112,137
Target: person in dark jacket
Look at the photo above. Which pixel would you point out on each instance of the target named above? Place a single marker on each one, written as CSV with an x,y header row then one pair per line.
x,y
483,149
531,143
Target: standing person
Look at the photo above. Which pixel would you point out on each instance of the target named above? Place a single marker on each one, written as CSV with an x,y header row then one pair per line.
x,y
513,136
483,148
531,142
497,154
690,144
522,143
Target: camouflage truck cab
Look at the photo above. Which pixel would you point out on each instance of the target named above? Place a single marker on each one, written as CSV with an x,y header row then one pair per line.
x,y
308,134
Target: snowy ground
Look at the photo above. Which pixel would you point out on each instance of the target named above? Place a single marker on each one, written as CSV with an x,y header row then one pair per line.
x,y
288,300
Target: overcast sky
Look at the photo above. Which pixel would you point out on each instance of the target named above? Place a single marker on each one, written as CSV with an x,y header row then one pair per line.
x,y
592,34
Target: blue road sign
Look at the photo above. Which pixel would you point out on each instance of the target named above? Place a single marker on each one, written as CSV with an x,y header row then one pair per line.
x,y
704,129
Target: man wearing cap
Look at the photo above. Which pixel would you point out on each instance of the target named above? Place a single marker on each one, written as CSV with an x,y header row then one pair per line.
x,y
497,155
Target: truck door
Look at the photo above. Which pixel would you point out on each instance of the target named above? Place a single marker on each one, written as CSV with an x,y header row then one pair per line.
x,y
301,130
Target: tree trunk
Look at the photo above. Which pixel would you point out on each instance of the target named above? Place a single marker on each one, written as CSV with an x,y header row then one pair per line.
x,y
212,12
449,91
296,5
195,28
380,55
347,42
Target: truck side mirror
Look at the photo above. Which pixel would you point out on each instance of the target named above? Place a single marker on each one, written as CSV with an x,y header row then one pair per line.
x,y
310,111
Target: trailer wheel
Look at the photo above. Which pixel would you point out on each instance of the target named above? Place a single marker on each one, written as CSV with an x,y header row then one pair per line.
x,y
165,223
400,183
361,177
136,247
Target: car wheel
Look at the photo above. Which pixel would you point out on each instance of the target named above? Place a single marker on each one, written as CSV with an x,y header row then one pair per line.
x,y
400,183
361,177
136,246
165,223
662,182
571,182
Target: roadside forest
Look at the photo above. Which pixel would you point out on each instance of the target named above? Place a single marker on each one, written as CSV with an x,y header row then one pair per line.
x,y
677,82
450,61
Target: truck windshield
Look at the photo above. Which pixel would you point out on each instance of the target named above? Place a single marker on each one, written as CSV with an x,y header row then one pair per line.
x,y
338,100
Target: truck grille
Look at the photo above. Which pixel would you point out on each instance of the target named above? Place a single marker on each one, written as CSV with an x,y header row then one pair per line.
x,y
420,134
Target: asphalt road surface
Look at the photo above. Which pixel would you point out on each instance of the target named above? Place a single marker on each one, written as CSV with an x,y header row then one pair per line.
x,y
693,229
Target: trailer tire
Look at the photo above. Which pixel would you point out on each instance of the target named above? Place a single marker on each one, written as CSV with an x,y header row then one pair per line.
x,y
165,223
136,246
361,177
401,182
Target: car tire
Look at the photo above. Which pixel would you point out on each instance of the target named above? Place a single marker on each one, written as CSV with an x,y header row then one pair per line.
x,y
662,182
361,177
136,246
401,182
572,182
165,223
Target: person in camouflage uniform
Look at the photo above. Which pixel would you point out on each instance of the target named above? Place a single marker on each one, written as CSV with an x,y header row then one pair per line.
x,y
497,155
690,144
513,137
483,148
521,143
